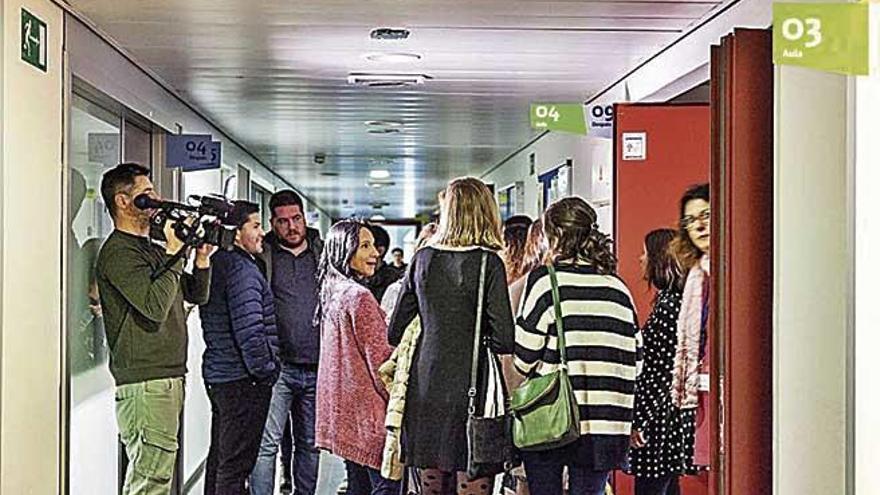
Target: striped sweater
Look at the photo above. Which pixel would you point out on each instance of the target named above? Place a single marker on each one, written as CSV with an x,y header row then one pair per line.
x,y
602,347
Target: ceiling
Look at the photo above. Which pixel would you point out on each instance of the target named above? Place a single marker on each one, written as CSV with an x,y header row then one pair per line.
x,y
273,74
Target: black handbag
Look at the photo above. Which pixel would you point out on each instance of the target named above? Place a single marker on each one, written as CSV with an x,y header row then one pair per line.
x,y
489,437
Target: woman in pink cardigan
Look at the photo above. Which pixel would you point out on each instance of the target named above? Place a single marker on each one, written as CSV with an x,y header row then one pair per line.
x,y
351,400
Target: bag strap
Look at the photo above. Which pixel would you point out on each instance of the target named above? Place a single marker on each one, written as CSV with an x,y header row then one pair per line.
x,y
472,391
557,308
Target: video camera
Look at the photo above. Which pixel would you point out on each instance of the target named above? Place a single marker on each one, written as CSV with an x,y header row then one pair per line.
x,y
209,217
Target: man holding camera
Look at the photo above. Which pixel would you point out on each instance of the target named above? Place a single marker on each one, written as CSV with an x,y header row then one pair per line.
x,y
142,303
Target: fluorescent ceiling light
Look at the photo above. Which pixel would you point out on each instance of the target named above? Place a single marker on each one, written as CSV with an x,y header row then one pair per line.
x,y
393,58
380,174
377,218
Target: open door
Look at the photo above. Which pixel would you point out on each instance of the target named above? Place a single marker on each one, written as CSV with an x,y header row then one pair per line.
x,y
661,150
742,219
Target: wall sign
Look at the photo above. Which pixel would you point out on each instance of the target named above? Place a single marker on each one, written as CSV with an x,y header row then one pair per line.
x,y
635,145
826,36
602,121
213,159
104,148
563,117
34,40
191,152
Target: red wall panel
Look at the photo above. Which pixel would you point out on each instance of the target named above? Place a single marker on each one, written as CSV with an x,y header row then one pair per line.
x,y
647,192
646,198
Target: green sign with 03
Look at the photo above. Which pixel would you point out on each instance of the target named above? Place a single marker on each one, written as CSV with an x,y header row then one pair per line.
x,y
825,36
565,117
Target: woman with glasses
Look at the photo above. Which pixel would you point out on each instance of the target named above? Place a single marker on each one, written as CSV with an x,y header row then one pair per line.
x,y
656,459
690,370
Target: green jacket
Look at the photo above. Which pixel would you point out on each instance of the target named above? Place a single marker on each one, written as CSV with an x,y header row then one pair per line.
x,y
144,318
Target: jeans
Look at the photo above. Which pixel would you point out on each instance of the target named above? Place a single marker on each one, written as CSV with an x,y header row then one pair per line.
x,y
148,415
363,480
293,396
666,485
238,415
544,472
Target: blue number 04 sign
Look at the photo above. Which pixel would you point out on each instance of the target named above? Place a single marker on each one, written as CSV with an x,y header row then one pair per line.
x,y
191,151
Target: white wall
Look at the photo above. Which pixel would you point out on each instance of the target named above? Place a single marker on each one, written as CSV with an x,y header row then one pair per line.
x,y
811,282
867,311
588,155
30,256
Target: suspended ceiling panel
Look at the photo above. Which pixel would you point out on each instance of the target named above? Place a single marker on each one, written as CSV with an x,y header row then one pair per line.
x,y
274,74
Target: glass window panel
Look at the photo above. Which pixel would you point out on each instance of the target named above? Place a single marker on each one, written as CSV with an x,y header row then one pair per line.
x,y
94,147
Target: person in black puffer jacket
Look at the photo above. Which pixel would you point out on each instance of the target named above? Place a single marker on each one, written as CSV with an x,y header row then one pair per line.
x,y
240,363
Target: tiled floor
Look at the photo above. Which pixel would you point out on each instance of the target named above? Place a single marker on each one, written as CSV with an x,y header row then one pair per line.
x,y
330,475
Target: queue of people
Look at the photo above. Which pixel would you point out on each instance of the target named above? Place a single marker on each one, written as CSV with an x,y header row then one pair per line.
x,y
377,364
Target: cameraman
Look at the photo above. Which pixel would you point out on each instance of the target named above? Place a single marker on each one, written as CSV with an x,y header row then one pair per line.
x,y
146,328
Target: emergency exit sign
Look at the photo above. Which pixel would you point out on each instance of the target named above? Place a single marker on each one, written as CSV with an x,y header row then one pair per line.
x,y
34,40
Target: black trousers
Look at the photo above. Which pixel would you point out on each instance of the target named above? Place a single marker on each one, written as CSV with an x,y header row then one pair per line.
x,y
666,485
238,416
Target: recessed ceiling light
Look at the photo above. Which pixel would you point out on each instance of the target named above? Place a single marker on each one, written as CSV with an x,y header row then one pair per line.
x,y
380,174
393,58
383,123
393,80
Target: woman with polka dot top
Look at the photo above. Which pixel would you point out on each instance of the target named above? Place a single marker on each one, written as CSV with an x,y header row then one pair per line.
x,y
659,450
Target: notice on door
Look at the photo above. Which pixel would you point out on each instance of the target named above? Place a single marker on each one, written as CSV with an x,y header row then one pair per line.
x,y
635,145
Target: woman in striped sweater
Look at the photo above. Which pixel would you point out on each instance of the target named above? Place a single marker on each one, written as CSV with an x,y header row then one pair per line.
x,y
601,340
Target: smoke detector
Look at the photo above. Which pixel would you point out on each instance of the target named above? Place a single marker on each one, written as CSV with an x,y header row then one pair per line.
x,y
386,80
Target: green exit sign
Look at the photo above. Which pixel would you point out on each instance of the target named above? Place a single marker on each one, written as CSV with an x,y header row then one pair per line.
x,y
34,40
826,36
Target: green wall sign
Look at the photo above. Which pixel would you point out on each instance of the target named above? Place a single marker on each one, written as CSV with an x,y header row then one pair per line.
x,y
826,36
564,117
34,40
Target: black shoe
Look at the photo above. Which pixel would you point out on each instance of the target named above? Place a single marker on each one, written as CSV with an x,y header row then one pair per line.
x,y
286,485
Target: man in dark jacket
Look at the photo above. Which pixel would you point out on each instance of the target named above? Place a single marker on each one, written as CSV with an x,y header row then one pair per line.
x,y
290,256
240,364
142,304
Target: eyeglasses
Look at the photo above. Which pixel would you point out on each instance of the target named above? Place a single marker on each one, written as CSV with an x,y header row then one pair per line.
x,y
688,222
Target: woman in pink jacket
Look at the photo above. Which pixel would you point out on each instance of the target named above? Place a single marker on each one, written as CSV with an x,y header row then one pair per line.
x,y
351,400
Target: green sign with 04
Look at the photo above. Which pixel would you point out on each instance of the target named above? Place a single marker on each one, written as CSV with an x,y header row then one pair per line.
x,y
565,117
825,36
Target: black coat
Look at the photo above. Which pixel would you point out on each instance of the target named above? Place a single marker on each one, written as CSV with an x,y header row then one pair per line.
x,y
441,288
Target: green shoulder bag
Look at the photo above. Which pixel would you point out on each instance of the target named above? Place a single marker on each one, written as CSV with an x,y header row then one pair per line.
x,y
544,409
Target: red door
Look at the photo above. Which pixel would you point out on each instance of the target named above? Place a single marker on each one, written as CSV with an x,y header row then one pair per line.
x,y
676,155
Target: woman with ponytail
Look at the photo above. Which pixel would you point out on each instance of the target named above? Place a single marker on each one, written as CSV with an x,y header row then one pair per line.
x,y
601,348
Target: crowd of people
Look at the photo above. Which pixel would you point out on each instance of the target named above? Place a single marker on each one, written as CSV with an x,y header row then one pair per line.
x,y
376,362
